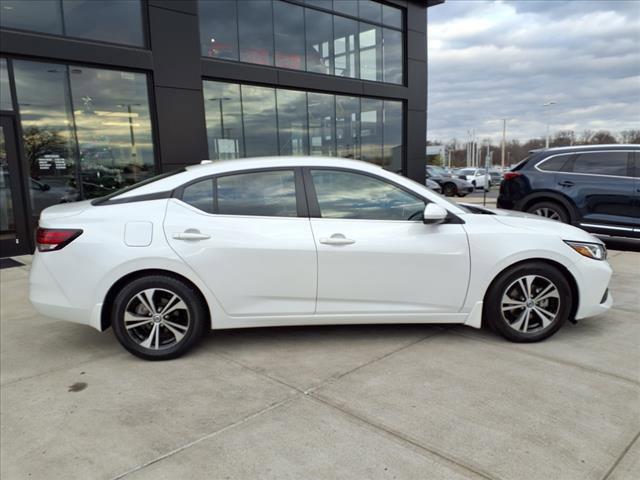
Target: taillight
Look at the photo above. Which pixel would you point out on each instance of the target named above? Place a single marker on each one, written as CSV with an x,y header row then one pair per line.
x,y
48,239
511,175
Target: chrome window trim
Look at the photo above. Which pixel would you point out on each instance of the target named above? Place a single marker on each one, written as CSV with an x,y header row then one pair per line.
x,y
581,153
609,227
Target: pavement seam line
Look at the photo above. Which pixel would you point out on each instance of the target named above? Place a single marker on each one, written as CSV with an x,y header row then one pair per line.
x,y
403,438
242,421
620,457
549,359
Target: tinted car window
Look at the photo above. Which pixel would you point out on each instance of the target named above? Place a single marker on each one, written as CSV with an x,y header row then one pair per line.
x,y
554,164
270,193
200,195
602,163
352,195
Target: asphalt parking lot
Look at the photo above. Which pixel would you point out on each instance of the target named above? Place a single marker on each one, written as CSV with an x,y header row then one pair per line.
x,y
395,401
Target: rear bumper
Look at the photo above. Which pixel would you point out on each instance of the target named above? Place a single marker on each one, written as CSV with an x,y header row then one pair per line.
x,y
49,299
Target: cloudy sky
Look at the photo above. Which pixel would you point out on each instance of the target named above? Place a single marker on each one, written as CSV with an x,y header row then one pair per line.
x,y
494,59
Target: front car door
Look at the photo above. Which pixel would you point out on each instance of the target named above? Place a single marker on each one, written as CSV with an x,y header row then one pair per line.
x,y
603,189
375,255
247,236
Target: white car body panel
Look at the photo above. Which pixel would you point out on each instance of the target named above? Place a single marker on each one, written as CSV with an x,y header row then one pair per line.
x,y
269,271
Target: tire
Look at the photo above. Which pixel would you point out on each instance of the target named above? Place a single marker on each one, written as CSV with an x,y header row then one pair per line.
x,y
166,336
449,189
551,210
508,312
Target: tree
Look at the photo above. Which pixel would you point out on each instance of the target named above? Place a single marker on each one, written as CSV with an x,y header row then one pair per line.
x,y
39,142
563,138
602,137
630,136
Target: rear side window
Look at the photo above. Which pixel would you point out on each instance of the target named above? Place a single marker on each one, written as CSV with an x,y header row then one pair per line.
x,y
554,164
602,163
269,193
350,195
200,195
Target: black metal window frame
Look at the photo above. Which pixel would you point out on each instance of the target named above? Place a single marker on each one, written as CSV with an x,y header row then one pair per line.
x,y
300,3
77,170
144,17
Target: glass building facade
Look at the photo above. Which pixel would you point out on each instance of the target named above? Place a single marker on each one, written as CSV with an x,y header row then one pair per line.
x,y
96,95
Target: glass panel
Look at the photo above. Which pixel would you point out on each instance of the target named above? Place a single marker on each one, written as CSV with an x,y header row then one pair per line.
x,y
321,124
288,22
345,36
200,195
292,122
392,153
348,7
370,52
43,16
259,114
370,10
371,130
392,55
5,91
255,28
223,113
356,196
117,21
555,164
113,129
328,4
218,29
602,163
319,41
348,126
44,102
7,217
262,193
391,16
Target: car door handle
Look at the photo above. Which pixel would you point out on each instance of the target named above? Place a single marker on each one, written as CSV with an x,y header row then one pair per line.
x,y
566,183
337,239
191,236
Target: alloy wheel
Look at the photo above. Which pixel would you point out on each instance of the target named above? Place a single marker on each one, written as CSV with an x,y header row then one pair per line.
x,y
156,318
530,304
547,212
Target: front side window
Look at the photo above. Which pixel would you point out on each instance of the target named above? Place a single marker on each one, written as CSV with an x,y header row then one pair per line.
x,y
115,21
269,193
602,163
350,195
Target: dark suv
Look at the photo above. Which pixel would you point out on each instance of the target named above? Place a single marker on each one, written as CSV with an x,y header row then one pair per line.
x,y
594,187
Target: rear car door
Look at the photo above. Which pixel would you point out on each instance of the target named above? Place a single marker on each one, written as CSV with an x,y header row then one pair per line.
x,y
247,236
375,255
602,188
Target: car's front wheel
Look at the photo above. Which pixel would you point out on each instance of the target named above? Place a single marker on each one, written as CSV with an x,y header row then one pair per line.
x,y
158,317
528,302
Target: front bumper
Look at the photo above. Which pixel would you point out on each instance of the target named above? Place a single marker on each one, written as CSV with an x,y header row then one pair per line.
x,y
594,296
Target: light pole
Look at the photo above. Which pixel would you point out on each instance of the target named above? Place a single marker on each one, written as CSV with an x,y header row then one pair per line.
x,y
133,140
219,100
546,108
504,140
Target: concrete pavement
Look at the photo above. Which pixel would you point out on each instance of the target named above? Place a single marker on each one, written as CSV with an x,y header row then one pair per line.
x,y
391,401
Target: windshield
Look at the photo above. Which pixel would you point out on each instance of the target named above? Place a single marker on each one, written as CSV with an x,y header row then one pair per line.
x,y
436,170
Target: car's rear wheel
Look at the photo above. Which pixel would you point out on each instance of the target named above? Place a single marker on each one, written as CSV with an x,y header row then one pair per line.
x,y
450,189
158,317
528,303
550,210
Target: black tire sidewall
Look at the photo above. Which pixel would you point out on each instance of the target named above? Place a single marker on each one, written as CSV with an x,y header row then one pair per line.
x,y
190,297
449,190
493,316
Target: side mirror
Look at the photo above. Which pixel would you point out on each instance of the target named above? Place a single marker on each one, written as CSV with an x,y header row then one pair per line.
x,y
434,214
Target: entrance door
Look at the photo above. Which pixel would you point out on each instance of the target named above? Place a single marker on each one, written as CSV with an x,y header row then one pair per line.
x,y
13,218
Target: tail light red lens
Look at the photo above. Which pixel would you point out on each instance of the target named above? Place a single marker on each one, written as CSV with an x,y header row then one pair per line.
x,y
48,239
511,175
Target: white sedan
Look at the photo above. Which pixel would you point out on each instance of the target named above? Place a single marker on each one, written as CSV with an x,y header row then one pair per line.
x,y
478,177
305,241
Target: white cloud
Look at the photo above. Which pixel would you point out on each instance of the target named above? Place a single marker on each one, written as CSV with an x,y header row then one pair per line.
x,y
495,59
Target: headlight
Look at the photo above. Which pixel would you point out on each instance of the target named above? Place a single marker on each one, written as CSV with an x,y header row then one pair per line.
x,y
597,251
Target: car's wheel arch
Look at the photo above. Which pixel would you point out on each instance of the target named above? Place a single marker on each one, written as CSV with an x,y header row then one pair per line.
x,y
550,196
575,293
107,305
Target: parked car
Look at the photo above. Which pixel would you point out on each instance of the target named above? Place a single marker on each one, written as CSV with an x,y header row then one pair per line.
x,y
451,185
594,187
496,176
299,241
478,177
433,185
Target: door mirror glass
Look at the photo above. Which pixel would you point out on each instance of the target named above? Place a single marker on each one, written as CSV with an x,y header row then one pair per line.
x,y
434,214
